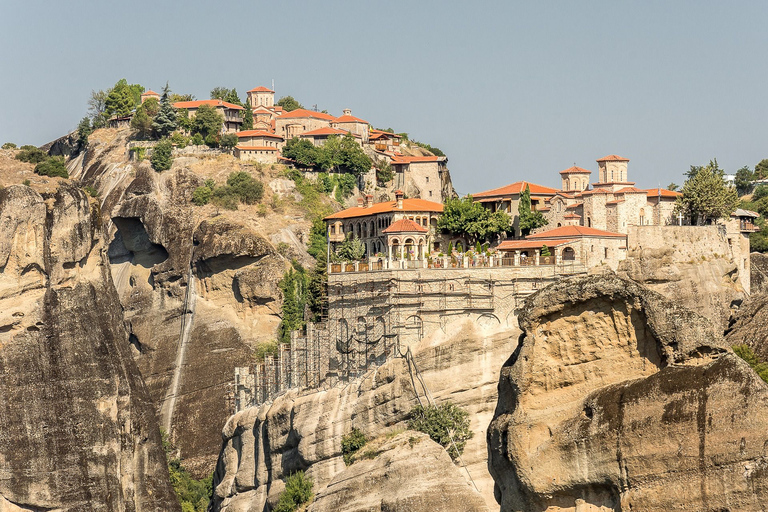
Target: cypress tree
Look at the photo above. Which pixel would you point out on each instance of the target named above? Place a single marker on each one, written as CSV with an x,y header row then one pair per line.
x,y
165,120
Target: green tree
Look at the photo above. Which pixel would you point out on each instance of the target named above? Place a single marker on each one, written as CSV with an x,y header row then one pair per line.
x,y
9,145
465,217
706,197
352,443
351,249
352,158
151,106
161,158
84,130
246,187
528,218
301,151
53,167
293,287
673,186
31,154
743,181
97,107
207,121
122,98
298,491
247,119
229,141
164,123
289,104
233,98
446,424
545,251
761,170
220,93
142,123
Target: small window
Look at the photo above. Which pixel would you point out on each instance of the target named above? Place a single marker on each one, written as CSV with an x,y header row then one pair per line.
x,y
430,193
606,253
428,181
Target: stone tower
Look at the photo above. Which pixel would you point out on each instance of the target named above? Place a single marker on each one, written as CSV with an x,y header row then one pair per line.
x,y
612,169
575,179
261,97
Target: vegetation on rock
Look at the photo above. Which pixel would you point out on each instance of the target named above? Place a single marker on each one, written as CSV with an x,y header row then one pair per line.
x,y
706,197
351,443
342,154
53,167
298,491
9,145
31,154
446,424
746,353
161,158
193,495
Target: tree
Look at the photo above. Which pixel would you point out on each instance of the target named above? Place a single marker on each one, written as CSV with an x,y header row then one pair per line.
x,y
233,98
175,98
246,187
220,93
96,108
142,123
465,217
122,98
151,106
351,249
743,181
164,122
706,197
293,287
761,170
528,218
352,157
161,158
545,251
84,130
247,119
673,186
207,121
446,424
229,140
289,104
302,151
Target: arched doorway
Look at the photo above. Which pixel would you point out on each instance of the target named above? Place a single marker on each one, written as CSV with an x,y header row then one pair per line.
x,y
569,254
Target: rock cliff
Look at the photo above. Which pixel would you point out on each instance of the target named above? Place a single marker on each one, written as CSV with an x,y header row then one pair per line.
x,y
759,272
302,430
749,325
618,399
78,430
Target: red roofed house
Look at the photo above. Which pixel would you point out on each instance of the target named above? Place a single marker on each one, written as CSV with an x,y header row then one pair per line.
x,y
320,136
404,229
232,113
259,138
352,124
149,94
294,123
507,199
383,141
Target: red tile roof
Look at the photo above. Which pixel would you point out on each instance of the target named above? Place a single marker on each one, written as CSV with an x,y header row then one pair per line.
x,y
381,133
595,191
613,158
630,190
575,170
398,159
256,148
511,245
212,103
150,93
573,206
656,192
516,188
544,209
572,216
405,226
350,119
409,205
575,231
258,133
325,131
301,112
261,89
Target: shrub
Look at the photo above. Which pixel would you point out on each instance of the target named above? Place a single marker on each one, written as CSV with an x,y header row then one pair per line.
x,y
246,187
351,444
212,141
263,349
202,196
545,251
298,491
91,191
161,156
31,155
229,141
197,140
441,423
760,192
26,183
193,495
223,197
9,145
179,140
53,167
746,353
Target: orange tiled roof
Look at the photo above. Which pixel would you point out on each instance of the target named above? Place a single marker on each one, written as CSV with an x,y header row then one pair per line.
x,y
258,133
595,191
572,216
302,112
256,148
261,89
409,205
656,192
380,133
544,209
630,190
575,170
613,158
405,226
510,245
574,231
614,202
150,93
573,206
326,131
517,188
399,159
212,103
350,119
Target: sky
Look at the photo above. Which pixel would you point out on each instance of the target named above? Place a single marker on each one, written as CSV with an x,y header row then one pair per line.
x,y
508,90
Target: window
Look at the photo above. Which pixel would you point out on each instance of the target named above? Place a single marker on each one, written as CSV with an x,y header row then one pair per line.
x,y
430,193
428,181
606,253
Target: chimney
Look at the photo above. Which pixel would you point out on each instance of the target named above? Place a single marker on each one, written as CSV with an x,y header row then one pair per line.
x,y
368,201
347,112
359,202
399,197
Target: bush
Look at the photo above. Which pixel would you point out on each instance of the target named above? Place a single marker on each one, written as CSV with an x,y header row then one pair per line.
x,y
760,192
263,349
441,423
193,495
31,155
202,196
544,251
298,491
179,140
91,191
161,158
212,141
197,140
746,353
246,187
229,141
351,444
223,197
53,167
9,145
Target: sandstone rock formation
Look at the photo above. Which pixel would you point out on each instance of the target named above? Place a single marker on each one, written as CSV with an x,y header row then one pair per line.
x,y
749,325
302,429
78,430
618,399
409,472
759,272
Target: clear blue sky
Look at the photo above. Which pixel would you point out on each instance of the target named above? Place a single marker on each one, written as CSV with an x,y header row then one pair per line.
x,y
509,90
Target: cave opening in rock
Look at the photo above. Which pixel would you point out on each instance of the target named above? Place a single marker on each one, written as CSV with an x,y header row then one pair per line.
x,y
132,244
